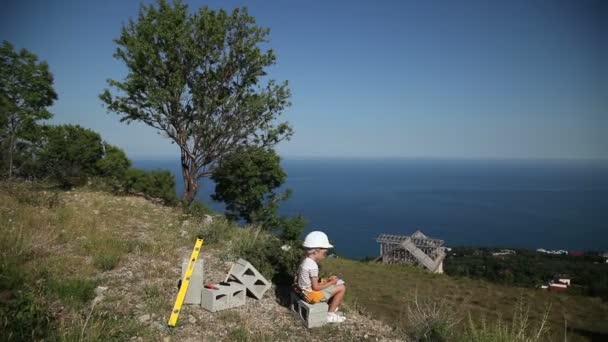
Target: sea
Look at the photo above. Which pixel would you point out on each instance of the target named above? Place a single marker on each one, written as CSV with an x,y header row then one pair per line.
x,y
551,204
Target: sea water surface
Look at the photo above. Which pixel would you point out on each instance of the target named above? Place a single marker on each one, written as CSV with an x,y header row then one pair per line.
x,y
556,204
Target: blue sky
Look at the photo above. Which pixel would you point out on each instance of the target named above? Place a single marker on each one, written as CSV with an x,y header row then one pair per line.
x,y
455,79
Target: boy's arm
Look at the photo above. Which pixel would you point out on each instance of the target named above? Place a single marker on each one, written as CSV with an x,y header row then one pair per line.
x,y
316,286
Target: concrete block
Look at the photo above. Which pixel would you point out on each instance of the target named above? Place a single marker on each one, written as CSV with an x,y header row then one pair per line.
x,y
193,295
311,315
228,295
243,272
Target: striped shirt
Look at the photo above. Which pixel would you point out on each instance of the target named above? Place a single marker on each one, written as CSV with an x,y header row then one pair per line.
x,y
307,270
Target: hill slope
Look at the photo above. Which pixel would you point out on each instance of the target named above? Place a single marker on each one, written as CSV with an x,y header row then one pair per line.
x,y
92,266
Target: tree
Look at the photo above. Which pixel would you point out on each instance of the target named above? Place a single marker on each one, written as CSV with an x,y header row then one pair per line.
x,y
197,78
26,90
113,166
70,153
247,182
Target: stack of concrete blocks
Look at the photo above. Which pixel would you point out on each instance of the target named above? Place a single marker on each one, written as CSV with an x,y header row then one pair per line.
x,y
227,295
244,273
312,315
193,295
242,279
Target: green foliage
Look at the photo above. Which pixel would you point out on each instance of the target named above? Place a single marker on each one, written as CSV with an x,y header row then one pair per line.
x,y
75,292
529,268
153,184
197,77
70,154
24,317
26,90
198,209
113,166
246,181
274,259
239,334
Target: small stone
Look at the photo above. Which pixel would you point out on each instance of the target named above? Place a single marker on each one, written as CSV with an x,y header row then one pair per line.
x,y
100,289
183,233
166,339
191,319
96,212
144,318
207,220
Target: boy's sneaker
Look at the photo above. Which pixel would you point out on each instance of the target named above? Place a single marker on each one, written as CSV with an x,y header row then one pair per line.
x,y
333,318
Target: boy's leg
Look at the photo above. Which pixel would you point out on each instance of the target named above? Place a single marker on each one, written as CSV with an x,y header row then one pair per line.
x,y
336,298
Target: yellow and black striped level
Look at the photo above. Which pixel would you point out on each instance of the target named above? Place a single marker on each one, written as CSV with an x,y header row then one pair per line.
x,y
185,283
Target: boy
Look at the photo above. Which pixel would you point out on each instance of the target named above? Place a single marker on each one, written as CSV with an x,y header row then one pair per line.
x,y
314,290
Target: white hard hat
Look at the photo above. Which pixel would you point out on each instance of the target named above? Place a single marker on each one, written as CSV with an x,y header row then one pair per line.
x,y
316,239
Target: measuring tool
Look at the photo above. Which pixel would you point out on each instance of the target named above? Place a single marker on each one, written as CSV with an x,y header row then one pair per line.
x,y
181,294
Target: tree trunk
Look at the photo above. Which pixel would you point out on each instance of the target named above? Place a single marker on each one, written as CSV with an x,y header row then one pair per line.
x,y
190,180
10,157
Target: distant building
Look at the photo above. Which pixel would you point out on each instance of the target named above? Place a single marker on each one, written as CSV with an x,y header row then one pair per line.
x,y
576,253
416,249
555,252
558,287
504,252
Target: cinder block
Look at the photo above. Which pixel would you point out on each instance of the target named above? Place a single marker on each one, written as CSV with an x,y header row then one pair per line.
x,y
228,295
311,315
243,272
193,295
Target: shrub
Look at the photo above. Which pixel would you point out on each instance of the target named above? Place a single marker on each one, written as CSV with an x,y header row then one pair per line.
x,y
429,320
198,209
274,259
113,167
69,154
152,184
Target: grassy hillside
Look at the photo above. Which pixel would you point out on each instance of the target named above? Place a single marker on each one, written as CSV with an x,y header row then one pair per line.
x,y
386,291
89,266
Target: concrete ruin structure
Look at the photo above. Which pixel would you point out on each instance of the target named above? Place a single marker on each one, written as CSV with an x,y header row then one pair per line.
x,y
416,249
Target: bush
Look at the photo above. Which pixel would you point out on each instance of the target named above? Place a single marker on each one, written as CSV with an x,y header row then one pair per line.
x,y
274,259
429,320
113,167
69,154
198,209
152,184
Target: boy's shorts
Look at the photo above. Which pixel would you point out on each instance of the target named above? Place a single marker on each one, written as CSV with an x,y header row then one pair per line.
x,y
319,296
328,292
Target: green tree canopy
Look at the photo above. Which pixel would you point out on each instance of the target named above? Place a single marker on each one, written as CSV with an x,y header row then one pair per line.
x,y
198,78
26,90
247,181
70,153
